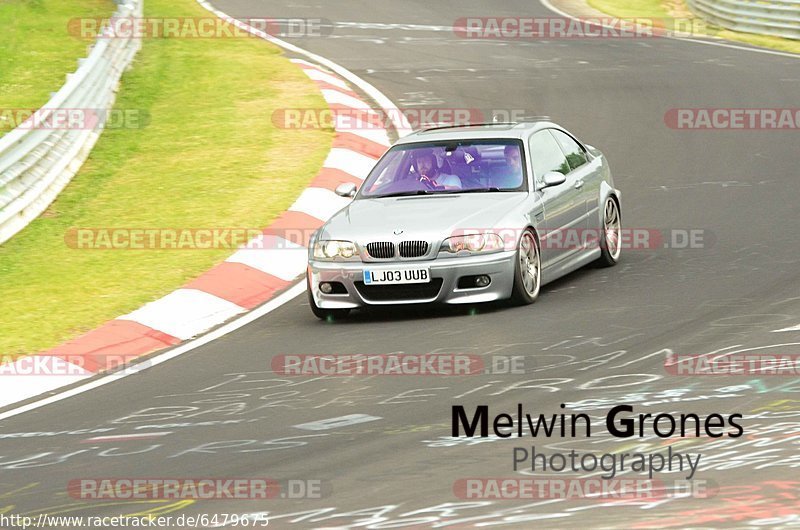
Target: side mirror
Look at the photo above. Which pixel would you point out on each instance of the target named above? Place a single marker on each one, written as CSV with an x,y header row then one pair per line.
x,y
346,189
554,178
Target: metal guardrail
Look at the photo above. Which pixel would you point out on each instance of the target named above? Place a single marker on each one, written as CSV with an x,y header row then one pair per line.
x,y
779,18
37,162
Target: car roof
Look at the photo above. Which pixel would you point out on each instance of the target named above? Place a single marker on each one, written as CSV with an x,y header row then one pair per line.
x,y
478,131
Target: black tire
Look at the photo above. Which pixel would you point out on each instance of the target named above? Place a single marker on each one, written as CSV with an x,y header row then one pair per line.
x,y
610,254
522,295
324,314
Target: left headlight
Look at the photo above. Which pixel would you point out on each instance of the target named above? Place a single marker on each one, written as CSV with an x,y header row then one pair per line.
x,y
331,249
472,244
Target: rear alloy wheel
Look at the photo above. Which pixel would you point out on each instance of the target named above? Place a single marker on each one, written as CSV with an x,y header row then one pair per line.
x,y
610,247
324,314
528,270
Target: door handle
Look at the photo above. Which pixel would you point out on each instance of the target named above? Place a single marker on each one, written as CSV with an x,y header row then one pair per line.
x,y
579,185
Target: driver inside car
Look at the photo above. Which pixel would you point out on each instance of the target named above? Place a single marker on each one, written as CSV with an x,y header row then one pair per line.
x,y
427,170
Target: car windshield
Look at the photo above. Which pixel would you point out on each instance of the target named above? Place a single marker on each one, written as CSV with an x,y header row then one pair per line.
x,y
467,166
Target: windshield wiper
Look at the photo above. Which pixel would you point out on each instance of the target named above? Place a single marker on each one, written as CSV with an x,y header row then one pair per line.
x,y
478,190
442,192
403,194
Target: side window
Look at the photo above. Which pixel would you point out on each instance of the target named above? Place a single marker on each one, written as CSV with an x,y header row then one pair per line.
x,y
575,154
546,155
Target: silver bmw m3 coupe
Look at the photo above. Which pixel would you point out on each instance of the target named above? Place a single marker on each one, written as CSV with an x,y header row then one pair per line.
x,y
467,214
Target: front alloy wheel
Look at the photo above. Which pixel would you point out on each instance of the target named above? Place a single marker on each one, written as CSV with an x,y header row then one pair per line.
x,y
610,247
528,270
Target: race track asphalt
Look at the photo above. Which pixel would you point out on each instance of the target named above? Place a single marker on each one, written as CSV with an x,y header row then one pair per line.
x,y
596,338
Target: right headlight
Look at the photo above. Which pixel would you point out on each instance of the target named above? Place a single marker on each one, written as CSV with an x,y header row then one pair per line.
x,y
331,249
469,244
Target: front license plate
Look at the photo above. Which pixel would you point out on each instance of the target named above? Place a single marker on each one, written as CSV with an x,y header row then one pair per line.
x,y
396,276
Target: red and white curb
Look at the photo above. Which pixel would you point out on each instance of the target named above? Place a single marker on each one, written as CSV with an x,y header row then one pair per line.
x,y
248,278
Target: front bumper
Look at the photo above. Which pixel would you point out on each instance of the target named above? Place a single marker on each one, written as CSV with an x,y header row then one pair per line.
x,y
498,266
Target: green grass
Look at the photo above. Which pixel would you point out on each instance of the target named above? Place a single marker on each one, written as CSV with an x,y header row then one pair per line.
x,y
631,8
36,50
667,9
209,157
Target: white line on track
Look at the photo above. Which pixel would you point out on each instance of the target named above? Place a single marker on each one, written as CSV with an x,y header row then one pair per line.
x,y
125,437
401,125
791,328
255,314
337,422
554,9
400,122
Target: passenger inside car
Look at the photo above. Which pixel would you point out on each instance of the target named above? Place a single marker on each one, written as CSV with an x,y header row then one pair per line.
x,y
466,163
508,175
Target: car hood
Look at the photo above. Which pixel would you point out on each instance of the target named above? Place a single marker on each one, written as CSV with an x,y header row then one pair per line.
x,y
431,218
